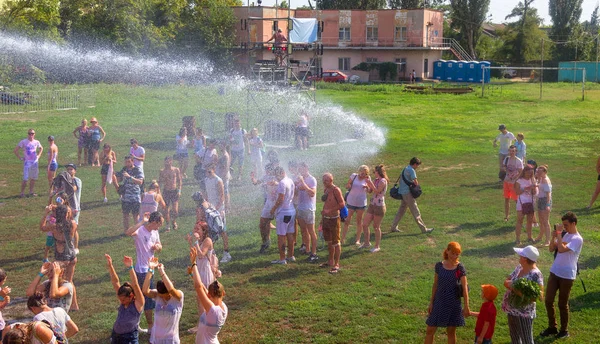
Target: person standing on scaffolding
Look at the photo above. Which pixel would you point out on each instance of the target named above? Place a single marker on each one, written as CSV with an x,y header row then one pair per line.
x,y
278,46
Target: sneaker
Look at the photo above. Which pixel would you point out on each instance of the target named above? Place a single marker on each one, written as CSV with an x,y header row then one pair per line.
x,y
302,249
562,334
105,200
276,261
375,249
226,257
358,244
395,230
365,245
291,259
549,331
428,230
313,258
76,251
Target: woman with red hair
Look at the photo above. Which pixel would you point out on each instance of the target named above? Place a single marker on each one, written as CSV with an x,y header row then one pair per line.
x,y
449,285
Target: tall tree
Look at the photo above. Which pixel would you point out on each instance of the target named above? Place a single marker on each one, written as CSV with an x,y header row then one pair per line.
x,y
33,17
467,16
522,11
592,26
405,4
565,16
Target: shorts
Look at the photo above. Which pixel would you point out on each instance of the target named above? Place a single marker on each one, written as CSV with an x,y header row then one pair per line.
x,y
308,216
124,338
53,166
376,210
302,131
351,207
130,207
50,241
542,203
170,196
266,211
331,229
509,191
237,154
94,145
104,169
149,303
284,227
30,170
180,155
485,341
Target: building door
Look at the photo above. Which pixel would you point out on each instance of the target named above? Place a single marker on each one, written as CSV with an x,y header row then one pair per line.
x,y
426,68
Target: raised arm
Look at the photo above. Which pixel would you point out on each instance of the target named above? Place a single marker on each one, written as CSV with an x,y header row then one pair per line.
x,y
44,225
132,230
178,294
201,290
57,291
151,293
114,278
137,292
33,286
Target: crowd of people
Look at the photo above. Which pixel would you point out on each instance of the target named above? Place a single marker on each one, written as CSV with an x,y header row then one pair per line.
x,y
290,198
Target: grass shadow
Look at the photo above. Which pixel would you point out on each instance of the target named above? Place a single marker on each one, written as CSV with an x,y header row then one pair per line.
x,y
590,263
163,146
484,186
496,251
589,300
101,240
469,226
495,231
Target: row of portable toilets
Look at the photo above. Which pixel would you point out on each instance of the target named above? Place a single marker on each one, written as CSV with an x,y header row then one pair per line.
x,y
461,71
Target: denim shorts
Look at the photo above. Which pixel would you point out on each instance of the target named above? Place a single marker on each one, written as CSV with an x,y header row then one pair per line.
x,y
351,207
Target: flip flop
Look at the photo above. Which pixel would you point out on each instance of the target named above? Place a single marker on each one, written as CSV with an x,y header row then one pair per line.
x,y
334,271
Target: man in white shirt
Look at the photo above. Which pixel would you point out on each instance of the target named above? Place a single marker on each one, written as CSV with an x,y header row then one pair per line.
x,y
138,153
147,243
30,147
285,216
567,247
506,139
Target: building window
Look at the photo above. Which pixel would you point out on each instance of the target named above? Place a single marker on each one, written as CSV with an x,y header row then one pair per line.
x,y
275,25
402,62
371,59
344,63
344,34
372,34
400,34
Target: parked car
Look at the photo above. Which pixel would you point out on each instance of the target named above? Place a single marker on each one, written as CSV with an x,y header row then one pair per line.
x,y
509,73
331,76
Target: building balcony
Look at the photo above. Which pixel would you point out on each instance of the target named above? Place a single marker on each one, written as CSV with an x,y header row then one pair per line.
x,y
410,43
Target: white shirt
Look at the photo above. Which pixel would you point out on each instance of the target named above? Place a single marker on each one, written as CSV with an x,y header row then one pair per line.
x,y
210,324
565,264
30,149
138,153
57,318
144,241
166,320
286,187
505,141
306,202
212,191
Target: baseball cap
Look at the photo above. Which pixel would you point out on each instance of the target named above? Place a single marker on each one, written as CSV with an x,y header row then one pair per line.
x,y
50,138
71,165
501,127
529,252
490,292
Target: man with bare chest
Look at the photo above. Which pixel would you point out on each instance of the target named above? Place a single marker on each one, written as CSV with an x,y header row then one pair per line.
x,y
170,180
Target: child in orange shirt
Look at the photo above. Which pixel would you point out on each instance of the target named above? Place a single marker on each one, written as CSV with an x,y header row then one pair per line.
x,y
486,317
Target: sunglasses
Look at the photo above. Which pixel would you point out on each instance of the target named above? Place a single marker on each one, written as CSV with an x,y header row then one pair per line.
x,y
30,133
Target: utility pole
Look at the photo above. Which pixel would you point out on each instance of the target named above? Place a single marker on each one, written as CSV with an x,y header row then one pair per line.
x,y
542,71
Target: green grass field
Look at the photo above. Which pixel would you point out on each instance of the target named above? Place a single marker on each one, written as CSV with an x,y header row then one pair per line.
x,y
377,298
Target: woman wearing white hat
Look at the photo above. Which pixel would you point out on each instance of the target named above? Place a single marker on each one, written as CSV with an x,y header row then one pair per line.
x,y
520,320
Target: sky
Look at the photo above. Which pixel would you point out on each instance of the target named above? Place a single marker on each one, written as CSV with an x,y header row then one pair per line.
x,y
499,9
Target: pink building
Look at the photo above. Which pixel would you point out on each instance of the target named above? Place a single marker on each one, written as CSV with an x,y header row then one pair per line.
x,y
411,38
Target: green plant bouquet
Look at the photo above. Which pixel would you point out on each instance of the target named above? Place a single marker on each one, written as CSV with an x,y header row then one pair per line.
x,y
524,293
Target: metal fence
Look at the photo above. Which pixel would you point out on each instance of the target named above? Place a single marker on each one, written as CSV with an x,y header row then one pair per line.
x,y
15,102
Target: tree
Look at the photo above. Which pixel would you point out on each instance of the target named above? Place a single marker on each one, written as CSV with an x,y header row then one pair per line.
x,y
405,4
523,38
284,4
592,25
32,17
350,4
565,16
522,10
467,16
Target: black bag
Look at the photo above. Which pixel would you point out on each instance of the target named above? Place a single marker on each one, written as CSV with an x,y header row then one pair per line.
x,y
348,192
459,286
415,190
394,192
502,173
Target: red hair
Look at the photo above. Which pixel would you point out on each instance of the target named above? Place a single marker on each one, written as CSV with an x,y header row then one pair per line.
x,y
454,247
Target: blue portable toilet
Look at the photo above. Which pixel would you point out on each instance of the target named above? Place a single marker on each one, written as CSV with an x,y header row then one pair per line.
x,y
450,72
486,75
473,71
461,71
439,70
